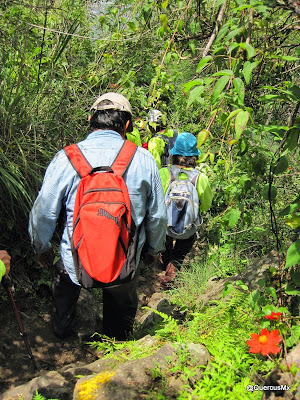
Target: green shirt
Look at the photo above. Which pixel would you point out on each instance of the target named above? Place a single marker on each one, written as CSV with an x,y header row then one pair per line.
x,y
203,188
2,270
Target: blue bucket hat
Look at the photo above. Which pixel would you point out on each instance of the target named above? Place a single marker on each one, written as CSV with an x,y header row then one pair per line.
x,y
185,145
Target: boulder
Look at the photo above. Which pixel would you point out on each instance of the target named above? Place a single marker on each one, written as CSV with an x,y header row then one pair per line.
x,y
134,378
51,385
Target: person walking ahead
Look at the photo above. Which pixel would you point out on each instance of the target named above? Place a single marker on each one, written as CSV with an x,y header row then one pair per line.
x,y
187,192
162,138
111,117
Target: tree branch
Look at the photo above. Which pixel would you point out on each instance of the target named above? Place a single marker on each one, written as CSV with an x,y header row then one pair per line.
x,y
216,29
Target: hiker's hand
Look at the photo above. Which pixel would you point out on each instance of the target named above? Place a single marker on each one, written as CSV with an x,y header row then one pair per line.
x,y
5,258
46,259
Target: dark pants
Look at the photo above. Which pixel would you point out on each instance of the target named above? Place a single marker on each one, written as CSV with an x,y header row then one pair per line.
x,y
176,252
119,306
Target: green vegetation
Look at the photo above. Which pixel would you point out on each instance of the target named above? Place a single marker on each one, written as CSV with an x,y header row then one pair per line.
x,y
226,70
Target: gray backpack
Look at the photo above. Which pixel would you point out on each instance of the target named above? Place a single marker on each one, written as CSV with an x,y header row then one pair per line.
x,y
182,204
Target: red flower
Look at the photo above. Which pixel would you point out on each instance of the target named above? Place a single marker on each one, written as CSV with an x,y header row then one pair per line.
x,y
265,343
274,316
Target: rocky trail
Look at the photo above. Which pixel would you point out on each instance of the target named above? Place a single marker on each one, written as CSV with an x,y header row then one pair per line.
x,y
50,352
72,369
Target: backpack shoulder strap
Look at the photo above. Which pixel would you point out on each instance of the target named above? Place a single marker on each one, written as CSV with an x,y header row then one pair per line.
x,y
171,175
195,178
124,157
192,175
175,171
78,160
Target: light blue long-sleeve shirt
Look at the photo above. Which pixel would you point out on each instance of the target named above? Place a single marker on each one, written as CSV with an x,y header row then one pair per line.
x,y
60,185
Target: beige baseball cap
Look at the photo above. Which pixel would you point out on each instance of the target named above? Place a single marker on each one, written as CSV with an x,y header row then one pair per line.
x,y
118,102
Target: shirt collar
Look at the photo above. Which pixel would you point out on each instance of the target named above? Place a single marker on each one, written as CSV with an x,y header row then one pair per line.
x,y
103,133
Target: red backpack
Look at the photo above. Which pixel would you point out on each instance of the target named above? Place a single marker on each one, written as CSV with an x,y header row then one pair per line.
x,y
101,218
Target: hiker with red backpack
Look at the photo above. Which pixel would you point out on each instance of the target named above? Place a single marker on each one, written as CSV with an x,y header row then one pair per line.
x,y
112,195
187,194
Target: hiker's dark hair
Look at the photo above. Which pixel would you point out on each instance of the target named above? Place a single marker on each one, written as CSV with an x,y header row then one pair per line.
x,y
184,161
110,119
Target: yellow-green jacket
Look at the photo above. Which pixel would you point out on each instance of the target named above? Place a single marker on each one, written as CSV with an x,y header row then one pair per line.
x,y
2,270
157,144
203,187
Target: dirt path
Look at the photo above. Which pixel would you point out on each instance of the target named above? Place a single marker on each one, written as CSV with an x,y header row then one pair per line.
x,y
50,352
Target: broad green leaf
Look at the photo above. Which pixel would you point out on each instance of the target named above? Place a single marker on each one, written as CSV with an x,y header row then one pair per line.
x,y
293,221
233,33
202,157
160,32
241,284
253,299
165,4
201,137
281,166
292,139
132,25
292,290
273,192
296,91
194,94
228,72
291,208
295,275
208,80
232,47
219,86
164,21
180,25
211,158
289,58
293,254
232,114
228,288
222,32
247,70
261,283
261,9
293,339
202,63
241,121
271,291
249,50
243,145
218,50
239,88
233,216
187,86
268,97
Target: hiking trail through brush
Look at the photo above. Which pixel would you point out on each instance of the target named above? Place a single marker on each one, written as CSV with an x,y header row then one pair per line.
x,y
50,352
